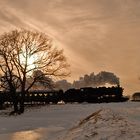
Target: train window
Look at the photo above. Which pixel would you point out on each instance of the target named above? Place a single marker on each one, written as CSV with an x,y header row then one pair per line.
x,y
82,89
40,94
35,94
45,94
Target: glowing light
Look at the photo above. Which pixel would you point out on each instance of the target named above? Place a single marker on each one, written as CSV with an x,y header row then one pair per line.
x,y
27,135
30,60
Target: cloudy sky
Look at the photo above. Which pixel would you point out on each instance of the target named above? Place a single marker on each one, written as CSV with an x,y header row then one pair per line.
x,y
96,35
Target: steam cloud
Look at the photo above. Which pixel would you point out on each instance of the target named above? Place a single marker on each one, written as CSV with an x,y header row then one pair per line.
x,y
91,80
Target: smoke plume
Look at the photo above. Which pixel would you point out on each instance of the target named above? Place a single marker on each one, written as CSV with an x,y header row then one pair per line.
x,y
91,80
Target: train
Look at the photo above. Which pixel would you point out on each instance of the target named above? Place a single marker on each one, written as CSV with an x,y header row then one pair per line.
x,y
85,94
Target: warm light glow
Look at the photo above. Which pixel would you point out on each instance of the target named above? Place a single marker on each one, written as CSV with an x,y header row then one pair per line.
x,y
27,135
30,60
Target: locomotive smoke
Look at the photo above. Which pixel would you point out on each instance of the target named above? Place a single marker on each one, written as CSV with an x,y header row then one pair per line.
x,y
107,77
91,80
97,80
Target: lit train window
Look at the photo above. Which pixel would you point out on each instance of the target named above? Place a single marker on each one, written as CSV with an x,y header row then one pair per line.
x,y
40,94
35,94
82,89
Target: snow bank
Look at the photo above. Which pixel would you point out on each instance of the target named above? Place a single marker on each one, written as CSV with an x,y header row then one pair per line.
x,y
104,124
74,122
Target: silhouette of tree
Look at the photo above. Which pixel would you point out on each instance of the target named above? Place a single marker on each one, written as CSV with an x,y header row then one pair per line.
x,y
9,81
23,52
43,80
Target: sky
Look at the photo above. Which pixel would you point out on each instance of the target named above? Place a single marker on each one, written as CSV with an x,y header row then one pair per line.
x,y
96,35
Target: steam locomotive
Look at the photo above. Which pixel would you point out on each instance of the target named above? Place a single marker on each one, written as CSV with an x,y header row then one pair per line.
x,y
85,94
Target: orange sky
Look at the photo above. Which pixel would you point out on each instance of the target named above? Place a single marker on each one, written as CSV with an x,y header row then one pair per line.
x,y
96,34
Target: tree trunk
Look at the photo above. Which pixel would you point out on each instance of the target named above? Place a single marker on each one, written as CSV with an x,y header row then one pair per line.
x,y
21,107
1,106
21,102
15,103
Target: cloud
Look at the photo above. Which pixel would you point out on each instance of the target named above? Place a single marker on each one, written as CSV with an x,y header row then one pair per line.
x,y
96,35
91,80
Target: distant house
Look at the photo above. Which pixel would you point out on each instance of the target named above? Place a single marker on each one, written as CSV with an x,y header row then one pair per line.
x,y
136,96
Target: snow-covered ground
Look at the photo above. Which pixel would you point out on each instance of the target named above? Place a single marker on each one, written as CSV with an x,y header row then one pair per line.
x,y
111,121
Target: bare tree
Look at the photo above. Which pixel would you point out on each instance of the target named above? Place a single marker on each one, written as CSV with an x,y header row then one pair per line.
x,y
27,52
9,81
43,80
